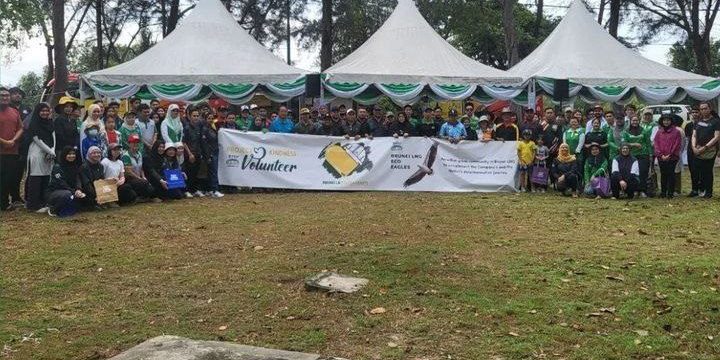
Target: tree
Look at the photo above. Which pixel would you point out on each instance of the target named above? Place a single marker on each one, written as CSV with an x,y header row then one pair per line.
x,y
326,34
508,21
614,20
539,16
681,56
32,84
58,31
692,18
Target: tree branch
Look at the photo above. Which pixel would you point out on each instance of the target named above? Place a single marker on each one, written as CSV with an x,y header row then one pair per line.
x,y
77,29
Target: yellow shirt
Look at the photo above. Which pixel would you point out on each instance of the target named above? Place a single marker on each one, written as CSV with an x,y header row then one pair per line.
x,y
526,152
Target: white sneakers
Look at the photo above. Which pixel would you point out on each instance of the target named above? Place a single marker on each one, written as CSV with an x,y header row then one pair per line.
x,y
217,194
200,194
188,195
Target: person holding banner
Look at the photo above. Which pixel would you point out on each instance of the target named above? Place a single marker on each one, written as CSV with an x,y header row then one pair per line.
x,y
565,171
305,125
453,130
427,126
283,123
507,131
351,127
327,127
401,126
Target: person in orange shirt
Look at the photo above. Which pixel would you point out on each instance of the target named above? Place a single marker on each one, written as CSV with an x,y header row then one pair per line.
x,y
485,130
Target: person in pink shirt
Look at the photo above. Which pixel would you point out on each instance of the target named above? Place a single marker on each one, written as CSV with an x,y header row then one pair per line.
x,y
667,144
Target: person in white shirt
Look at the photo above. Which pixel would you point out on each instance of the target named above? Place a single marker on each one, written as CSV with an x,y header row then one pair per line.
x,y
115,170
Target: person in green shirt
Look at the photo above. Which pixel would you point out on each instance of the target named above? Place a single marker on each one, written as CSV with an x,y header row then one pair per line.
x,y
639,141
469,117
128,128
245,121
574,137
595,165
408,110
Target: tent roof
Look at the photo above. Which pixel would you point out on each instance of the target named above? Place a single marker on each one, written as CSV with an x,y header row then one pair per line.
x,y
580,50
406,49
207,47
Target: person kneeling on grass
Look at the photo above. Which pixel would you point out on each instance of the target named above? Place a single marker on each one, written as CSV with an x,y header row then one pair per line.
x,y
170,162
91,171
64,193
134,175
565,172
595,165
625,173
115,170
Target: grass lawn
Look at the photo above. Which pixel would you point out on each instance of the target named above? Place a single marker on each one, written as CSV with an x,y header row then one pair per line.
x,y
461,276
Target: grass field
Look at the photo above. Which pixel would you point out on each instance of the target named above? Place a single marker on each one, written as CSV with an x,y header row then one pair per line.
x,y
461,276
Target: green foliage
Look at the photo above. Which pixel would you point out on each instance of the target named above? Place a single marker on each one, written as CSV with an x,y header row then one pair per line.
x,y
682,57
18,17
32,84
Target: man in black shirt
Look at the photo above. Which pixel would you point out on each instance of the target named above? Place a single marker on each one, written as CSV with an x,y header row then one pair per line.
x,y
427,126
705,146
689,131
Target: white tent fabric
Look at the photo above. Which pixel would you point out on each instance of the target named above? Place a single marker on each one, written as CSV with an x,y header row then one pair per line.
x,y
407,50
208,47
580,50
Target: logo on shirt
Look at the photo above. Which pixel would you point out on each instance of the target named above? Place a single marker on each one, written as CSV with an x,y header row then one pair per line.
x,y
344,160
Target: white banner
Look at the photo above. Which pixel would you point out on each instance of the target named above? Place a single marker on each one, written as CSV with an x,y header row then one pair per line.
x,y
311,162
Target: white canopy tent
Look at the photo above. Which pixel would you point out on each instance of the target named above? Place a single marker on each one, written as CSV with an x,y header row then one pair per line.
x,y
405,55
600,67
208,52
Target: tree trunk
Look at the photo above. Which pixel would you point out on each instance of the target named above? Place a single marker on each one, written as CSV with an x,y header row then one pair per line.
x,y
701,48
174,16
98,33
58,30
614,17
511,44
326,35
287,3
538,17
601,11
163,17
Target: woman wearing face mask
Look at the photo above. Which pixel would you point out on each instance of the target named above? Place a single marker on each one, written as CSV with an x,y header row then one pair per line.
x,y
625,173
41,157
65,187
172,127
93,137
668,143
639,141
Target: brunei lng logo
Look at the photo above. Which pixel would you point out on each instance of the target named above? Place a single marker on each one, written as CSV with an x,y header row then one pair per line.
x,y
345,160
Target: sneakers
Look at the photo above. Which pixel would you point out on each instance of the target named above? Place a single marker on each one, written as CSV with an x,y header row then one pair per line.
x,y
693,194
217,194
188,195
52,214
42,210
199,194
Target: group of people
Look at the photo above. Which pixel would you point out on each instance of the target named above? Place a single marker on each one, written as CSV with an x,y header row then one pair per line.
x,y
604,155
62,156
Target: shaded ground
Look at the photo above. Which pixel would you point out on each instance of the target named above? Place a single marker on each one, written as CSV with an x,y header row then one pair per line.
x,y
467,276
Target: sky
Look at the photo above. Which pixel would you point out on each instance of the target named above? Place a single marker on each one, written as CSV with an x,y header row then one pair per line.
x,y
32,56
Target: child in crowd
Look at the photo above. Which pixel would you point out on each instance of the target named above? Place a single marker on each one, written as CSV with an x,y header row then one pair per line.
x,y
93,137
526,155
128,128
541,154
113,136
485,132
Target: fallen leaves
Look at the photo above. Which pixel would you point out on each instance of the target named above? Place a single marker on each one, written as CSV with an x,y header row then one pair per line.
x,y
378,311
615,278
223,328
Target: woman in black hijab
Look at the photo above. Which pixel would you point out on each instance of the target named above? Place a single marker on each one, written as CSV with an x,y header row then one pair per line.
x,y
625,173
41,157
65,187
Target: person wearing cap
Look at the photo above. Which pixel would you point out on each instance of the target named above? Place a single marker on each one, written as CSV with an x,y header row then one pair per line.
x,y
11,132
453,130
507,131
640,148
305,125
705,147
690,154
283,123
327,127
242,121
485,129
67,132
470,119
254,110
40,157
427,126
135,176
568,113
350,128
16,97
91,171
667,148
624,173
595,165
114,169
597,113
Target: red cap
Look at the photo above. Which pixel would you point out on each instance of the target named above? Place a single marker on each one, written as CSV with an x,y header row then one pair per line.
x,y
134,139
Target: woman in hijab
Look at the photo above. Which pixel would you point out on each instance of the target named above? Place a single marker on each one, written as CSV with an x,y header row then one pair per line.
x,y
595,165
172,127
668,144
614,137
565,171
625,173
92,118
90,171
65,187
171,162
639,142
41,157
